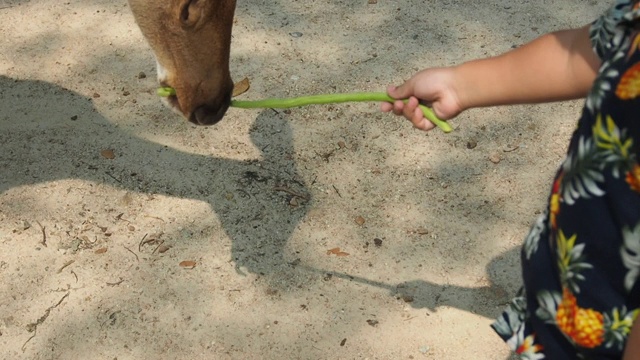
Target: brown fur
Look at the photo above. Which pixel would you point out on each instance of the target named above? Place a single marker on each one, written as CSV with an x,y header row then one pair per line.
x,y
191,40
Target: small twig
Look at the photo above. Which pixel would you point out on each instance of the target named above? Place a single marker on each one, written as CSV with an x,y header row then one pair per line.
x,y
154,217
512,148
119,217
65,265
336,189
157,247
116,283
326,156
134,254
33,327
141,242
74,274
291,192
44,235
24,346
113,177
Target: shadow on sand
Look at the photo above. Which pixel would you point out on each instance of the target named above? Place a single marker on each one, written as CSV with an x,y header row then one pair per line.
x,y
42,143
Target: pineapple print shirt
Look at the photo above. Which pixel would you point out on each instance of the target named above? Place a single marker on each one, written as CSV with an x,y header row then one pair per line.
x,y
581,260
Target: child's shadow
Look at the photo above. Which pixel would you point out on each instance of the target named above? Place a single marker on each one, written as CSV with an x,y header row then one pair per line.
x,y
49,133
488,298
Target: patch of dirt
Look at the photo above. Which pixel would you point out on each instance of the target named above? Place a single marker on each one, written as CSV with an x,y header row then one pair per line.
x,y
325,232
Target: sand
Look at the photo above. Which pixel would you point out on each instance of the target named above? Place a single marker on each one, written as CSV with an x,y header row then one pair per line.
x,y
324,232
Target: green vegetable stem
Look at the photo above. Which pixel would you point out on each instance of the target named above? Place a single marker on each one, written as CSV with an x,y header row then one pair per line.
x,y
322,99
166,91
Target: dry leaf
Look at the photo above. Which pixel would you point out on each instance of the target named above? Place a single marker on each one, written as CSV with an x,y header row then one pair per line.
x,y
240,87
163,248
342,253
188,264
333,251
101,250
108,154
360,220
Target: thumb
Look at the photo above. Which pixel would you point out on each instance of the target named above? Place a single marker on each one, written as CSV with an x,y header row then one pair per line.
x,y
403,91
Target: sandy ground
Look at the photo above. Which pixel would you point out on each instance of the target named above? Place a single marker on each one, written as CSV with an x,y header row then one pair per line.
x,y
126,233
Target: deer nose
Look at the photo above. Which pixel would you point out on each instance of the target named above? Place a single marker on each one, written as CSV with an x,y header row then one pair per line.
x,y
209,114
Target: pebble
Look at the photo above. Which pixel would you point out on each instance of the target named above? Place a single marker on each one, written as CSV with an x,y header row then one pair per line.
x,y
295,34
495,158
293,201
407,298
108,154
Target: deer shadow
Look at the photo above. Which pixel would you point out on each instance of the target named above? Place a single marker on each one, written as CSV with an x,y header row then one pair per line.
x,y
49,133
42,143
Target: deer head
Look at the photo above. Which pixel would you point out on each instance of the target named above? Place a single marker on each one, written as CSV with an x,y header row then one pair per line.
x,y
191,41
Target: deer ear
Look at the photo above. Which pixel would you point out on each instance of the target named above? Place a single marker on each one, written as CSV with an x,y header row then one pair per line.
x,y
191,12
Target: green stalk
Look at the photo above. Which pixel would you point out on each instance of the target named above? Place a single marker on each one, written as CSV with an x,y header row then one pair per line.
x,y
323,99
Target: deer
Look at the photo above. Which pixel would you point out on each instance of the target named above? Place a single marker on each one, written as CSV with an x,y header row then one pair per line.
x,y
191,41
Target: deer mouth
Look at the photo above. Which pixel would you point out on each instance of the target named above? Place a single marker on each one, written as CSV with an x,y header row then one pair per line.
x,y
171,101
209,112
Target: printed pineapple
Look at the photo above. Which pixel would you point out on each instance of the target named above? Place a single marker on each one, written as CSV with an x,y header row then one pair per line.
x,y
633,178
554,203
571,261
618,326
629,86
584,326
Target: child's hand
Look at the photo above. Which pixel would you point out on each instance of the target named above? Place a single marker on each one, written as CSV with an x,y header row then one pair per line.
x,y
431,87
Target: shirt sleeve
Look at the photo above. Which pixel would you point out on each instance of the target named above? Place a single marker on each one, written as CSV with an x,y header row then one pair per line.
x,y
605,30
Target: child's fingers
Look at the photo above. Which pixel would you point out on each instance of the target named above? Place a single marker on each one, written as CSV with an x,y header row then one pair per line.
x,y
420,122
409,108
386,107
398,107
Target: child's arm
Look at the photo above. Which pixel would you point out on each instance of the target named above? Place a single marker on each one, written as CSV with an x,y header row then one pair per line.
x,y
555,66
